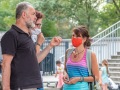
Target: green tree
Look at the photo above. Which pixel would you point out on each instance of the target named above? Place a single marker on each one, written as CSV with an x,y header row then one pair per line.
x,y
6,14
80,12
117,6
49,28
62,15
108,16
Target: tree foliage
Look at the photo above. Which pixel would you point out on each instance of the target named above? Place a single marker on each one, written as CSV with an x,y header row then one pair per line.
x,y
109,15
6,14
62,15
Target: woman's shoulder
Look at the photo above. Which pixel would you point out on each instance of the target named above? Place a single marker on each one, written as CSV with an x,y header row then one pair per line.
x,y
90,51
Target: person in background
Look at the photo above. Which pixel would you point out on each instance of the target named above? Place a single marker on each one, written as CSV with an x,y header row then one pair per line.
x,y
20,69
36,32
104,72
59,72
37,35
76,75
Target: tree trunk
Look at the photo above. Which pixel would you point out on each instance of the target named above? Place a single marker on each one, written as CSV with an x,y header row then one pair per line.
x,y
117,7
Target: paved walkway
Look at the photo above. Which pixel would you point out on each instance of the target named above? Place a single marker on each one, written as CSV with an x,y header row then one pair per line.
x,y
50,82
51,89
50,79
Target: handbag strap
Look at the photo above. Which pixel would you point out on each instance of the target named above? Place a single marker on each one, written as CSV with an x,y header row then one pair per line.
x,y
67,54
89,65
88,58
94,79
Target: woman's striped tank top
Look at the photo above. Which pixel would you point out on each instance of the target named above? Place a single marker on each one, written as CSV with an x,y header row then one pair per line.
x,y
77,69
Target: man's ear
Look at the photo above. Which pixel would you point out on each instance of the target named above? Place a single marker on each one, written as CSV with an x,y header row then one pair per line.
x,y
24,14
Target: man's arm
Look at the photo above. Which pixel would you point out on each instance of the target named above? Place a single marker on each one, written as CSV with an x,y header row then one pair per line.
x,y
42,54
54,42
40,40
6,71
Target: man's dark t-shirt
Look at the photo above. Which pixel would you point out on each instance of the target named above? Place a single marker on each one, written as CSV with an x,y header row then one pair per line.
x,y
25,71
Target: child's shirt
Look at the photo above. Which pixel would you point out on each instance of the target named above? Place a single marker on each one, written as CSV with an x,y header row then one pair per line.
x,y
60,68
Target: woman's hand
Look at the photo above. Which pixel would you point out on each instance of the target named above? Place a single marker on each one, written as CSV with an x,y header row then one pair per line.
x,y
65,78
74,80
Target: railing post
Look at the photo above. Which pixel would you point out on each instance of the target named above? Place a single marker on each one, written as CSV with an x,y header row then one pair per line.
x,y
54,60
66,45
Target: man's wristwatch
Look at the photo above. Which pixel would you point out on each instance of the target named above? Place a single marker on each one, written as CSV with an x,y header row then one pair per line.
x,y
37,44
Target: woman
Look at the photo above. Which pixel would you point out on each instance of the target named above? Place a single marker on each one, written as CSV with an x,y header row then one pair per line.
x,y
76,75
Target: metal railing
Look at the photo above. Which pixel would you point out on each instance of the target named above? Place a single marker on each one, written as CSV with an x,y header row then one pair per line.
x,y
107,42
48,64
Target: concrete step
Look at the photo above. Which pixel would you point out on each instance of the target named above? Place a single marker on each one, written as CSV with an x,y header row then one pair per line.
x,y
114,69
118,53
113,60
115,57
116,74
49,85
115,78
50,82
114,64
117,82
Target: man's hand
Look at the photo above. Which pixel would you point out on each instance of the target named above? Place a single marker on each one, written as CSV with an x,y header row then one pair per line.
x,y
6,88
55,41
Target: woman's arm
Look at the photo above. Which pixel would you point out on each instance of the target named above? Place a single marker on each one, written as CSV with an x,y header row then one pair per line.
x,y
95,69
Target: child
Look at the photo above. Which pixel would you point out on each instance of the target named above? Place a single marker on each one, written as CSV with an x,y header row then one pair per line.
x,y
60,69
104,75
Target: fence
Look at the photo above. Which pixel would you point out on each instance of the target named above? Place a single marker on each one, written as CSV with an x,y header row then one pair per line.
x,y
48,64
107,42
